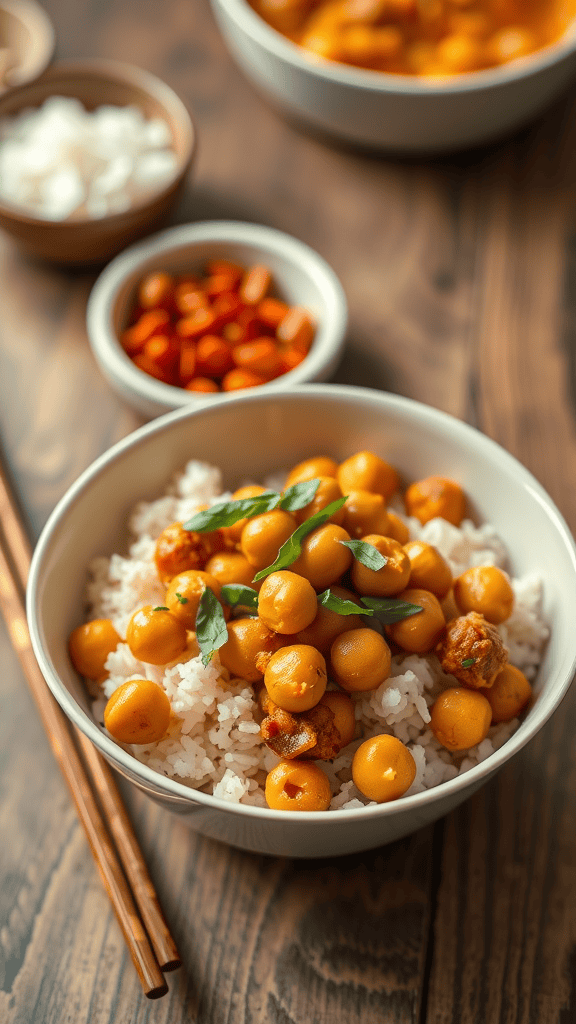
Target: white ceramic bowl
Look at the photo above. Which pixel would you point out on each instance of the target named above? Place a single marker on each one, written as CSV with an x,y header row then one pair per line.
x,y
301,277
248,437
397,112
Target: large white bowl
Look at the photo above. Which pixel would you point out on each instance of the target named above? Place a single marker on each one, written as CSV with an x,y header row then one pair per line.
x,y
398,112
301,277
248,437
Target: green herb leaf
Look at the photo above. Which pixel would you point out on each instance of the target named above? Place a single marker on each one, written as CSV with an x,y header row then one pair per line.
x,y
235,593
366,553
182,600
211,631
226,513
299,495
390,609
292,548
161,608
339,604
468,662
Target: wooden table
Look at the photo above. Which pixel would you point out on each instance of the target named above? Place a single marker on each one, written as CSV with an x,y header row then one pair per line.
x,y
461,281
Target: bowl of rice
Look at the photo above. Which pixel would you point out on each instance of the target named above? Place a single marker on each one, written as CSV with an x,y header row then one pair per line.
x,y
96,557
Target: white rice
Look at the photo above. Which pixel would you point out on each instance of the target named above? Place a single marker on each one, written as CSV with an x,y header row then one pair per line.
x,y
214,740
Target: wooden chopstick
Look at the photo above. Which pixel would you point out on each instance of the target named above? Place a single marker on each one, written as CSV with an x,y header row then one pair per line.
x,y
151,951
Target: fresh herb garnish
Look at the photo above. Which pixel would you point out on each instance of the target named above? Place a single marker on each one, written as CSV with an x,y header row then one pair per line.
x,y
366,553
390,609
211,630
292,548
339,604
182,600
226,513
161,608
468,662
299,495
236,593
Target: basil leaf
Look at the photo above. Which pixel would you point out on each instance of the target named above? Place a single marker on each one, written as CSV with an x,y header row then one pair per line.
x,y
366,553
226,513
211,631
236,593
161,608
182,600
341,605
299,495
390,609
292,548
468,662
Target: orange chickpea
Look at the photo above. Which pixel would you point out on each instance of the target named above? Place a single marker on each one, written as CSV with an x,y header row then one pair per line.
x,y
255,284
261,356
459,53
89,646
297,786
365,471
250,491
436,496
327,625
155,635
323,558
156,290
418,633
391,578
460,718
429,570
231,567
213,356
342,707
237,380
138,712
328,491
397,528
365,512
383,768
296,328
487,590
319,465
250,644
264,535
184,593
360,659
508,695
203,385
178,549
511,43
287,602
295,677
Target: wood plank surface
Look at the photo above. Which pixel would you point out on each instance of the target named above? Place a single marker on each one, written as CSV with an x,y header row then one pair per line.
x,y
461,281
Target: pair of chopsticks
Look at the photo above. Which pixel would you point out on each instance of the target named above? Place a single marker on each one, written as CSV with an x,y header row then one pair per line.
x,y
91,782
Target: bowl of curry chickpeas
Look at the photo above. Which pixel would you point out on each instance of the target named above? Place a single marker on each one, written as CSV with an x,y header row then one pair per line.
x,y
310,622
412,76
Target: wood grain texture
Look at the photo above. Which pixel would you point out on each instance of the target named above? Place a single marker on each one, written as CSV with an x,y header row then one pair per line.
x,y
460,275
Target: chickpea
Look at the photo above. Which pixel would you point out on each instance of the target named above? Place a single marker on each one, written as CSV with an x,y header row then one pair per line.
x,y
323,559
295,677
328,491
155,636
397,528
231,567
184,593
250,644
298,786
137,712
234,532
360,659
318,466
429,570
436,496
511,43
365,512
89,646
342,707
509,694
391,578
459,53
287,602
460,718
365,471
264,535
328,624
383,768
418,633
485,589
178,549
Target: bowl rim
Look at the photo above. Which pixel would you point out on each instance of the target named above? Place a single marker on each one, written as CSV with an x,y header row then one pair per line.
x,y
170,787
36,19
108,351
247,20
117,72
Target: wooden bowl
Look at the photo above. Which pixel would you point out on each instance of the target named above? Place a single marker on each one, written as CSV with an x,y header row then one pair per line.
x,y
94,83
28,35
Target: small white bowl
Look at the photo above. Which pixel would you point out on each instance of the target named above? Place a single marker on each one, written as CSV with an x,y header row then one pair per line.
x,y
301,277
398,112
249,437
